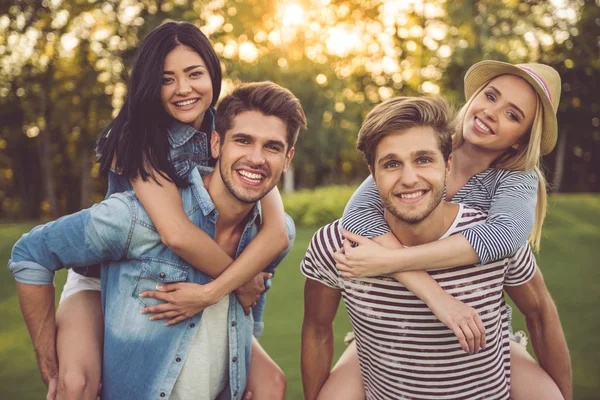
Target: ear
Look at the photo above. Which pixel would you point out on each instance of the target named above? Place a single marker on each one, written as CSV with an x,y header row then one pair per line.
x,y
215,144
372,172
288,159
449,164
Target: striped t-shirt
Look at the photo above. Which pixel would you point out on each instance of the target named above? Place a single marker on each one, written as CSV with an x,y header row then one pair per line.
x,y
405,352
508,197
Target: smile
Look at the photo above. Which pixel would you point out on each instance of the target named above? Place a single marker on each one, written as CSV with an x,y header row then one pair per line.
x,y
482,127
250,177
412,195
186,102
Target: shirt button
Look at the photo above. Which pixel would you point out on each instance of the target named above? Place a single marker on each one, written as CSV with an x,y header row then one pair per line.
x,y
163,394
162,275
234,359
192,325
233,323
178,359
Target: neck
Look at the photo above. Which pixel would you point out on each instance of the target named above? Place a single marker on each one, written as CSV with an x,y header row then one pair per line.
x,y
198,122
232,212
469,160
428,230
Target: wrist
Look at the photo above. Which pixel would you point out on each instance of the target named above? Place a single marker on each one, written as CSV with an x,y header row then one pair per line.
x,y
214,292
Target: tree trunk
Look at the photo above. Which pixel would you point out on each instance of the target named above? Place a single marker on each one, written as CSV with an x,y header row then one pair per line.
x,y
45,148
560,161
86,179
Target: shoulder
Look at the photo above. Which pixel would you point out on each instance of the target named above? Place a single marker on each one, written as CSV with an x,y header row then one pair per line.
x,y
328,239
467,217
506,177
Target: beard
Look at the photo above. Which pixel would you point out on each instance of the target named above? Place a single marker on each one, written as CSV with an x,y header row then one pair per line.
x,y
411,214
243,194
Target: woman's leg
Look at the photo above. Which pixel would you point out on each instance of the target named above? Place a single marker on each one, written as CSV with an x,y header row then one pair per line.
x,y
345,381
529,381
79,339
266,380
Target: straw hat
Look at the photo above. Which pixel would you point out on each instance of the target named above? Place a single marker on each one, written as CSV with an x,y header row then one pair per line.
x,y
544,79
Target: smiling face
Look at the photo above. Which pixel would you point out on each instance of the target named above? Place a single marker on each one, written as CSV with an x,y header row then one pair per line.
x,y
410,173
252,155
186,91
501,114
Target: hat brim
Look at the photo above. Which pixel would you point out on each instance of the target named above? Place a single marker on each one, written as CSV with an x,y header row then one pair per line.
x,y
484,71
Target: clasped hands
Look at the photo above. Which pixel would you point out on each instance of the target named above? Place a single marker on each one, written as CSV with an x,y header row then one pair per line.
x,y
184,299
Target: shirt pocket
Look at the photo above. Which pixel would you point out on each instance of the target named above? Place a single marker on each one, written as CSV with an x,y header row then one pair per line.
x,y
154,273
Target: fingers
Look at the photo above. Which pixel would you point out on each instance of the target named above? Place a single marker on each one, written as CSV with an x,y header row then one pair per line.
x,y
469,337
347,246
156,295
340,257
247,310
165,315
52,389
177,320
481,328
248,396
158,308
353,237
461,337
266,275
167,287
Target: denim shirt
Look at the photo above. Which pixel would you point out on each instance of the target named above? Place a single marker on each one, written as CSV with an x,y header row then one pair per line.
x,y
142,358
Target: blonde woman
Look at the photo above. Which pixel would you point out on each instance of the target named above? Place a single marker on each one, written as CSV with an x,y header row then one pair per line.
x,y
507,124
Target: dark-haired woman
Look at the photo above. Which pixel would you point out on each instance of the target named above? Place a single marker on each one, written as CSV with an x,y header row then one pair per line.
x,y
159,135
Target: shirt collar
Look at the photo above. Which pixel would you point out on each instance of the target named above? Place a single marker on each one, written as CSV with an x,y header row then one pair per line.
x,y
179,133
204,200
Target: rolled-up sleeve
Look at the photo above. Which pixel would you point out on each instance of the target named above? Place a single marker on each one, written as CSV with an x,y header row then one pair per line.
x,y
510,218
91,236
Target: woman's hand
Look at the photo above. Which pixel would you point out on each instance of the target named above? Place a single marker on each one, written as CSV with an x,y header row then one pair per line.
x,y
461,319
366,260
183,301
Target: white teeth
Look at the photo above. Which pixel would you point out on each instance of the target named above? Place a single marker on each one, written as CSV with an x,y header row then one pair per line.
x,y
185,103
412,195
250,175
481,125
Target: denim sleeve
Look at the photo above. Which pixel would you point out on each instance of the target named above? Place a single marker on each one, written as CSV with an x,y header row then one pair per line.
x,y
258,310
91,236
510,218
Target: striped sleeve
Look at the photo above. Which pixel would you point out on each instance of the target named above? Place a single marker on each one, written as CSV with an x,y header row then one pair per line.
x,y
521,267
318,262
364,213
510,218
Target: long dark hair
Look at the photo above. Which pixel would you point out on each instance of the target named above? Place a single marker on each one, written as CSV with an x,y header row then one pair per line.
x,y
137,137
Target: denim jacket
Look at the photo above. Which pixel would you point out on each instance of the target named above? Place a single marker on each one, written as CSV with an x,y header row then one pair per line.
x,y
142,358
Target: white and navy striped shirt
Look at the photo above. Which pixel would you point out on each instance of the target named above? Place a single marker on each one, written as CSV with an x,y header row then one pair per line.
x,y
508,197
405,352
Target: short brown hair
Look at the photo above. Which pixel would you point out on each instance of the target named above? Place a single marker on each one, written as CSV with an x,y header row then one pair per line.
x,y
269,99
402,113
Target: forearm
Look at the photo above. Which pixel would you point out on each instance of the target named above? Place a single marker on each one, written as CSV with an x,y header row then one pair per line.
x,y
315,359
37,307
550,347
449,252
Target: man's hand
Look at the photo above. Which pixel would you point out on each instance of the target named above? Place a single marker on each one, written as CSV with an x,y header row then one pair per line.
x,y
183,301
461,319
249,293
367,260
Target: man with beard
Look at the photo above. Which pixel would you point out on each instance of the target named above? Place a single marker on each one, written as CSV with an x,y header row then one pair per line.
x,y
403,349
209,353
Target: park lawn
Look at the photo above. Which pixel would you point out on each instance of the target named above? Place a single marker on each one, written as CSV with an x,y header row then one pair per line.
x,y
570,250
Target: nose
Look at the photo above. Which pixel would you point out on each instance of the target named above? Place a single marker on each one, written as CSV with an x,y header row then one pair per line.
x,y
183,87
257,156
410,176
490,113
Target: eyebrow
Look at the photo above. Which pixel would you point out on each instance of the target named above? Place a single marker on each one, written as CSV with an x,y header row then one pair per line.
x,y
241,135
418,153
512,104
187,69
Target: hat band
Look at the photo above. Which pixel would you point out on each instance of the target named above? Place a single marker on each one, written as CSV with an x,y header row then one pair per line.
x,y
539,80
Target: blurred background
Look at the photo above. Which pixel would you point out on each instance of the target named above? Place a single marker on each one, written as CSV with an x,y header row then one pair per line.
x,y
63,75
64,66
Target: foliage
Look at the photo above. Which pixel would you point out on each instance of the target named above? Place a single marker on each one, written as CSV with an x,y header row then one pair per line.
x,y
64,67
315,207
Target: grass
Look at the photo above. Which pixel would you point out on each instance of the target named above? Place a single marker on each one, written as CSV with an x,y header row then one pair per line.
x,y
570,251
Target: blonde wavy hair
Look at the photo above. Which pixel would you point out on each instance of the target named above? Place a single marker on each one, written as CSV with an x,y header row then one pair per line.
x,y
526,157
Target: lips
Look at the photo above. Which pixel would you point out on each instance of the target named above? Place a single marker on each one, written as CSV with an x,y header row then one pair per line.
x,y
186,104
250,177
482,126
412,196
